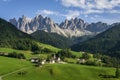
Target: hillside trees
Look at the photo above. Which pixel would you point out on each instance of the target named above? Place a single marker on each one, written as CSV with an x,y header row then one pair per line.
x,y
65,53
14,55
11,37
52,39
107,43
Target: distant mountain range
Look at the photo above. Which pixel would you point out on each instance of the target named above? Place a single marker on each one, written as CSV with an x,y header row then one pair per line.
x,y
69,28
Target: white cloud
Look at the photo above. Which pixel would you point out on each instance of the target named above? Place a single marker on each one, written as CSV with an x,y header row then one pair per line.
x,y
98,4
93,6
76,13
104,19
93,11
72,14
47,12
73,3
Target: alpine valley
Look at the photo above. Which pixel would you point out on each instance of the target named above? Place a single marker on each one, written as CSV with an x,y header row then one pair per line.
x,y
40,49
59,39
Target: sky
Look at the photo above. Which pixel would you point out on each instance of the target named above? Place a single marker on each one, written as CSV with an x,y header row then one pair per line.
x,y
107,11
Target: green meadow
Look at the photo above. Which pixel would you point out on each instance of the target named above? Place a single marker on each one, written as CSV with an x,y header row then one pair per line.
x,y
52,71
10,67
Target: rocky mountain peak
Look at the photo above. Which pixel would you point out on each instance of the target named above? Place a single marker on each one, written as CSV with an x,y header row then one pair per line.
x,y
97,27
69,28
73,24
13,21
23,17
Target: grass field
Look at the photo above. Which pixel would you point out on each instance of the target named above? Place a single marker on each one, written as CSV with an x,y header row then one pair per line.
x,y
53,71
64,72
28,54
9,50
50,71
10,64
54,49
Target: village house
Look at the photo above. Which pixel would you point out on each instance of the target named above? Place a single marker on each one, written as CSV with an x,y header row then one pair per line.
x,y
56,59
4,54
43,62
34,60
53,60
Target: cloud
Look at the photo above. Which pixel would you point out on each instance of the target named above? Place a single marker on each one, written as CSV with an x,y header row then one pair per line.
x,y
93,6
72,14
73,3
47,12
98,4
93,11
76,13
109,20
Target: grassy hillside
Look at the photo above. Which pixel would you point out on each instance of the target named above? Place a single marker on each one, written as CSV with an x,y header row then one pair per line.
x,y
28,54
64,72
10,64
54,49
51,71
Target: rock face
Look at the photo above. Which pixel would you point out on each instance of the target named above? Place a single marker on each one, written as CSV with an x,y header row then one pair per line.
x,y
97,27
73,24
45,24
13,21
75,27
24,24
38,23
69,28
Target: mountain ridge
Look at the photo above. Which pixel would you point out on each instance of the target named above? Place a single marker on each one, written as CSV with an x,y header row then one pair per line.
x,y
69,28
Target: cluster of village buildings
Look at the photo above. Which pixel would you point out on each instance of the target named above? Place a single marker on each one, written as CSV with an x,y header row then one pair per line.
x,y
53,60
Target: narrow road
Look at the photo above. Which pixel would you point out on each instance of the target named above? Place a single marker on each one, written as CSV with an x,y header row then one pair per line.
x,y
13,72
